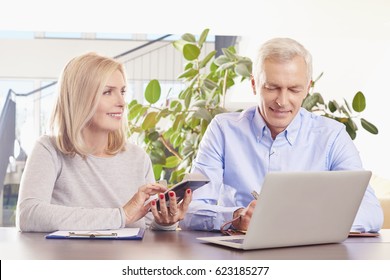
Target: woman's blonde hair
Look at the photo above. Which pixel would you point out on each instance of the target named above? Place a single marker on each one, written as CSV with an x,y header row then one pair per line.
x,y
80,87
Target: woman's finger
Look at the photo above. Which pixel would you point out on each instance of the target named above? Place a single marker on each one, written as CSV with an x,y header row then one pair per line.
x,y
173,211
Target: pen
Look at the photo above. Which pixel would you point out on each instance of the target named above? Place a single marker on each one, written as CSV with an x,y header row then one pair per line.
x,y
255,194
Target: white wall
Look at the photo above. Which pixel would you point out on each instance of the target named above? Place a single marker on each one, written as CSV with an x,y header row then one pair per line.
x,y
349,40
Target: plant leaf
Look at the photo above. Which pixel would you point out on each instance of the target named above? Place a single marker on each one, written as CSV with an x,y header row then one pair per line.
x,y
179,44
209,84
222,59
134,111
153,91
230,54
203,37
187,100
157,170
189,73
332,106
199,103
202,113
242,69
350,130
205,60
191,52
163,113
157,156
149,121
359,102
226,66
171,162
369,126
188,37
310,101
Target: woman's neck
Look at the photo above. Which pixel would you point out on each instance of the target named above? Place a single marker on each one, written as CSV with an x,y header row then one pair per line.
x,y
97,143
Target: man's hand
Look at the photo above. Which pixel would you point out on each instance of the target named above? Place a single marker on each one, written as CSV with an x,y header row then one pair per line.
x,y
245,215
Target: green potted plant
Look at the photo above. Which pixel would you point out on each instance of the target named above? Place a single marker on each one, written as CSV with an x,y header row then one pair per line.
x,y
171,133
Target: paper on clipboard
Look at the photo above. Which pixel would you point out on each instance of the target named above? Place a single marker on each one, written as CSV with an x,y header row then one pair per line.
x,y
363,234
117,234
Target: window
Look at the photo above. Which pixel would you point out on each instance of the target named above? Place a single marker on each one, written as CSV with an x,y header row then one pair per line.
x,y
63,35
16,35
114,36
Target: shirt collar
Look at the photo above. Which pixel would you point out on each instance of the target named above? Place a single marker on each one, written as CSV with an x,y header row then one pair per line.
x,y
291,133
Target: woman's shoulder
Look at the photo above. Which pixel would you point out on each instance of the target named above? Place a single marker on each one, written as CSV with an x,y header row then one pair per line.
x,y
47,142
135,151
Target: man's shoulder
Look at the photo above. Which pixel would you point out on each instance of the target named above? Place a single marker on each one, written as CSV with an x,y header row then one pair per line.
x,y
320,122
232,117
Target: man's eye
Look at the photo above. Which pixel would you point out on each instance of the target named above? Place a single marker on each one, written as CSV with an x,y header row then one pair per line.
x,y
295,90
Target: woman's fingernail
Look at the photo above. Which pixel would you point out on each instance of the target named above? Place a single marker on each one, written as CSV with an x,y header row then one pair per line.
x,y
171,194
161,196
153,202
188,191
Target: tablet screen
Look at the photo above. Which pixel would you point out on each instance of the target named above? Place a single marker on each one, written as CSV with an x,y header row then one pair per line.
x,y
181,188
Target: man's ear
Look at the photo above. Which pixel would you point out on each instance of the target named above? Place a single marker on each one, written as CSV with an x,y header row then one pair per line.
x,y
253,84
308,87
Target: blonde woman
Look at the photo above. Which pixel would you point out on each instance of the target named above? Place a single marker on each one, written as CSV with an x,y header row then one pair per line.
x,y
85,175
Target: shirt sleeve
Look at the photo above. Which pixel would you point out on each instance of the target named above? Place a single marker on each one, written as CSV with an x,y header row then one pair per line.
x,y
345,156
204,213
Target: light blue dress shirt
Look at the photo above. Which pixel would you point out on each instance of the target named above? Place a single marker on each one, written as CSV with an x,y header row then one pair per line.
x,y
237,151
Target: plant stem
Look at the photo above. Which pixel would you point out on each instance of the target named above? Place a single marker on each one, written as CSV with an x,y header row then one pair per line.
x,y
224,89
169,148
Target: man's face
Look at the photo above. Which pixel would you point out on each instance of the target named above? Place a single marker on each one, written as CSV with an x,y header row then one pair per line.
x,y
284,87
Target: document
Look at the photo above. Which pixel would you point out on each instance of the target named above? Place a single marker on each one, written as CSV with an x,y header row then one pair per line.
x,y
363,234
117,234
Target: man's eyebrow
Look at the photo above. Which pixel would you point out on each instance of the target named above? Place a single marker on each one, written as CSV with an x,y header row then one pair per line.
x,y
270,84
297,87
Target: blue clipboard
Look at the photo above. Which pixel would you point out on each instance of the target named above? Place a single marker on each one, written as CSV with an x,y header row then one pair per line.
x,y
118,234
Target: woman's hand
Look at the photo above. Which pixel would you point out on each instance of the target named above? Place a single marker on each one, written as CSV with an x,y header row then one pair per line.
x,y
135,208
168,215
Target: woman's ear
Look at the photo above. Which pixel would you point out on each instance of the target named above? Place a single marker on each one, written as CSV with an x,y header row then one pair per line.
x,y
253,84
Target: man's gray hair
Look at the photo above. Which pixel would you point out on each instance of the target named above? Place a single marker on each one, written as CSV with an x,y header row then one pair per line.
x,y
281,49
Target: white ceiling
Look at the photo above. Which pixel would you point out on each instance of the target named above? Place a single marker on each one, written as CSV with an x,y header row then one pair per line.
x,y
224,17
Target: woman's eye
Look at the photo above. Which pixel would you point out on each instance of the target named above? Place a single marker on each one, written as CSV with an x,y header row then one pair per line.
x,y
123,92
107,92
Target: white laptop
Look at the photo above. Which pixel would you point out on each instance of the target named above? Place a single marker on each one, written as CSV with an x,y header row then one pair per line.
x,y
302,208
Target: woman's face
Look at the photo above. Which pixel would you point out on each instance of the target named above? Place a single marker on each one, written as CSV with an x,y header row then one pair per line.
x,y
109,113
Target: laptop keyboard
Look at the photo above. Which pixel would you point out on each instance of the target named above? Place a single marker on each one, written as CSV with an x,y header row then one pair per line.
x,y
236,240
